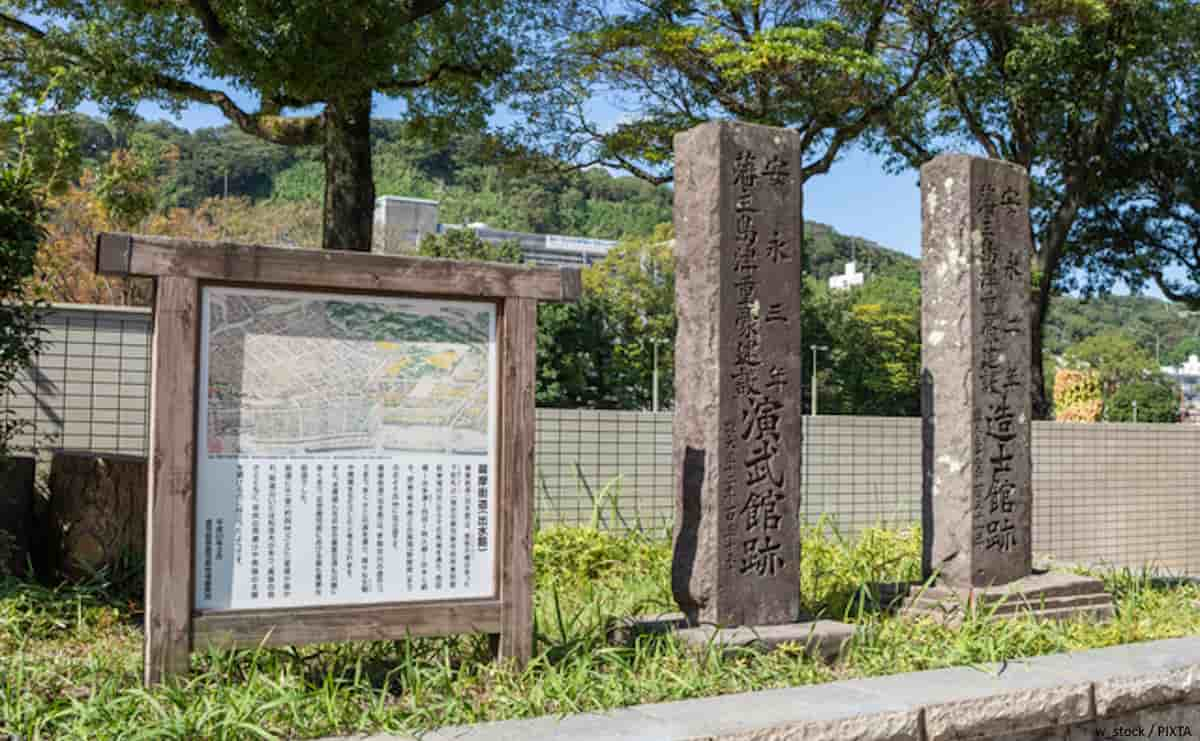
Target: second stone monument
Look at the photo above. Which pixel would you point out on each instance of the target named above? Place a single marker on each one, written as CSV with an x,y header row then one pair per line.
x,y
976,399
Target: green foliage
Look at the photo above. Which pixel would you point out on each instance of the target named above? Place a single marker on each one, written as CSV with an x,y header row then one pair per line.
x,y
1124,373
576,356
1180,352
826,71
570,556
127,188
464,175
1050,87
1145,229
22,217
1115,357
1157,401
465,244
635,285
873,333
826,251
48,141
835,570
1158,327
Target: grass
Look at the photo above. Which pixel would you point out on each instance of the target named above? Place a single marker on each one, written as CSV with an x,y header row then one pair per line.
x,y
70,658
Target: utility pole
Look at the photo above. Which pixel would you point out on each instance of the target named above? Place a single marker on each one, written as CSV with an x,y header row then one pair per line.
x,y
815,348
655,341
1135,411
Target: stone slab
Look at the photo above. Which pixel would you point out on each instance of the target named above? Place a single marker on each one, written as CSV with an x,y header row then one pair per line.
x,y
625,631
738,355
824,639
1047,596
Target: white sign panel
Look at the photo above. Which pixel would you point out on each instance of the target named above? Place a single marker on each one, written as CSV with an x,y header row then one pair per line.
x,y
346,449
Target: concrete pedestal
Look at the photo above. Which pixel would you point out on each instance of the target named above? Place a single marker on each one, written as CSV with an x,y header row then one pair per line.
x,y
1047,596
824,639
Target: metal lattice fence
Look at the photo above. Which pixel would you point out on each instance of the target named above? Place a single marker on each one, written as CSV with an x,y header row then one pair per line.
x,y
1122,494
90,386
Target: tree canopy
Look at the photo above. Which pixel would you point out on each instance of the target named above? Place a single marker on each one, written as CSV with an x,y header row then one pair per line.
x,y
1049,86
828,70
310,72
1143,401
1147,231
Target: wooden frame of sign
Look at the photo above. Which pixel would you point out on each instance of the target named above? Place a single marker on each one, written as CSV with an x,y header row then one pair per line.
x,y
181,269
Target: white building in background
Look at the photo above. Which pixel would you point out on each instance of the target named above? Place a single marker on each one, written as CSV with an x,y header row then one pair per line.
x,y
1187,375
847,279
401,222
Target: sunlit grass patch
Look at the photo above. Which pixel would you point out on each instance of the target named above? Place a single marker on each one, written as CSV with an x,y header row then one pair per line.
x,y
70,658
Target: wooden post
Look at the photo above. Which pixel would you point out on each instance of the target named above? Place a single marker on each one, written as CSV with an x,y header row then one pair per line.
x,y
170,507
517,383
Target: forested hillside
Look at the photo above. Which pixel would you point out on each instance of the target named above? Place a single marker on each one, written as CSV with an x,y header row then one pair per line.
x,y
466,177
473,183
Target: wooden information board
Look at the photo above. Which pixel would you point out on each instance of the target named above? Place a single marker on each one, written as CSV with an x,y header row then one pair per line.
x,y
341,445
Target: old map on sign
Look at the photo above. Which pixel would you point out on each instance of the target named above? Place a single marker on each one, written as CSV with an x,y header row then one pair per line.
x,y
300,373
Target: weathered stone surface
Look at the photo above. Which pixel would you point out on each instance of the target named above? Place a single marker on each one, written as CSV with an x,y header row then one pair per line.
x,y
823,639
1048,596
1172,721
16,513
97,510
976,402
625,631
899,726
737,437
1123,695
1010,710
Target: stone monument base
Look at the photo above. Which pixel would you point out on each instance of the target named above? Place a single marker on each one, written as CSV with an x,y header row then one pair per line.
x,y
1047,595
822,639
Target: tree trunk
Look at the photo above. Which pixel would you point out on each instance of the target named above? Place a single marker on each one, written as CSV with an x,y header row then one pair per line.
x,y
1054,237
97,511
349,181
1043,406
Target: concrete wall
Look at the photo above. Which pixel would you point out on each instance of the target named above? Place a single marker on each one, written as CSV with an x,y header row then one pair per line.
x,y
1117,493
400,222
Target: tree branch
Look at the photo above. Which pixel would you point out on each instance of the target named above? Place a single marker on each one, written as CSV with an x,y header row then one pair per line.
x,y
292,131
1191,300
20,26
265,124
396,86
218,34
419,9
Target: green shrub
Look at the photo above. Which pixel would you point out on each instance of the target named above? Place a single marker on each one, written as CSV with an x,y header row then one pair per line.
x,y
836,572
570,555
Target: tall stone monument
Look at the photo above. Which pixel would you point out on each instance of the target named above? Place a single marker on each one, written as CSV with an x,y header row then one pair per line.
x,y
976,394
737,374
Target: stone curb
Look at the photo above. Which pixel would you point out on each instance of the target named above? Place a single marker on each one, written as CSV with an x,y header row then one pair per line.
x,y
1034,696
